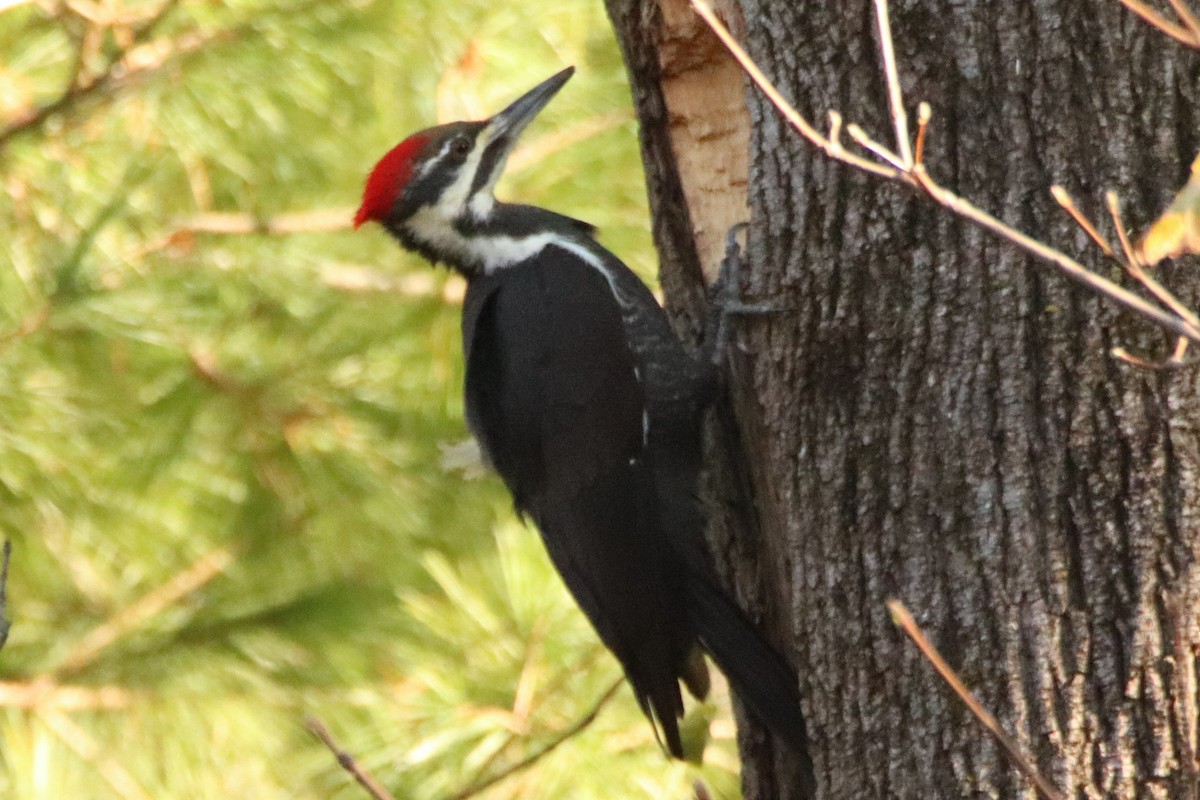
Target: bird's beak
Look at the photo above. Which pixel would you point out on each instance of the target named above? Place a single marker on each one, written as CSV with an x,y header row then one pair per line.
x,y
499,137
509,123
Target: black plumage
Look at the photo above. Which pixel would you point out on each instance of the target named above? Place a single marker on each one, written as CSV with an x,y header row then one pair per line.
x,y
553,396
598,440
589,408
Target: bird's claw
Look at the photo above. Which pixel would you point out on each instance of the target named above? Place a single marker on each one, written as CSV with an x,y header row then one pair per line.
x,y
725,299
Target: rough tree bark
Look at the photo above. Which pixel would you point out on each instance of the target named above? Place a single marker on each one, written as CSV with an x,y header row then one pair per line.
x,y
936,416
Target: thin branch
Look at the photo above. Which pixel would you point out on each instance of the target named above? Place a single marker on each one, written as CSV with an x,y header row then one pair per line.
x,y
1072,268
85,46
864,140
347,762
1181,348
1065,200
902,618
195,576
1114,209
113,15
1185,35
43,693
5,625
357,278
573,730
919,176
1188,18
230,223
1133,265
556,685
1174,362
924,114
835,127
895,98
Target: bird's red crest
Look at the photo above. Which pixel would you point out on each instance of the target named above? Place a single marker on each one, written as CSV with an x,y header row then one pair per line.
x,y
387,180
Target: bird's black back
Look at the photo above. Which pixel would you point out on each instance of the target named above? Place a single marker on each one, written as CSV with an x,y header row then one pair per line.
x,y
588,407
554,398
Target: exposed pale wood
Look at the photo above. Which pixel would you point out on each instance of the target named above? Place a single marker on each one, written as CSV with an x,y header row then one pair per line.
x,y
709,126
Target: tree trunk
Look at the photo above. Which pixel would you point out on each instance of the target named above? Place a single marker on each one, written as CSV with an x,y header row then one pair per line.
x,y
935,416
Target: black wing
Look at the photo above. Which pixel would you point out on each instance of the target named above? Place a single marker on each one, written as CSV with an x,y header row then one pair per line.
x,y
554,398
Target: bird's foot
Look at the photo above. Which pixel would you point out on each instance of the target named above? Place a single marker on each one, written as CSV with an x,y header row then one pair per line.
x,y
725,301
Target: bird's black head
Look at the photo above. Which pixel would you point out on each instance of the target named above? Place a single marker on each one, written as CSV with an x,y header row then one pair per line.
x,y
437,185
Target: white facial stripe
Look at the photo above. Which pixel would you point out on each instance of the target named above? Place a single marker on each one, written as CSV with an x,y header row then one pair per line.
x,y
435,228
440,153
437,159
454,198
482,203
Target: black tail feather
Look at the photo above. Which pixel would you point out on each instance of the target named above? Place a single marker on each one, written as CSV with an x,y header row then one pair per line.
x,y
758,674
663,706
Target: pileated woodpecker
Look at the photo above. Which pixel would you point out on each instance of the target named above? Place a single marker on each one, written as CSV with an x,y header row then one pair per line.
x,y
588,406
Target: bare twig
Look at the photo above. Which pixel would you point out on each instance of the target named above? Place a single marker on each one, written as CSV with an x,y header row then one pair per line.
x,y
1188,33
365,779
1068,265
864,140
895,98
199,573
924,114
5,625
1133,264
1114,209
347,762
1175,361
574,729
918,176
1181,348
86,44
550,690
902,618
43,693
319,221
1064,199
1188,18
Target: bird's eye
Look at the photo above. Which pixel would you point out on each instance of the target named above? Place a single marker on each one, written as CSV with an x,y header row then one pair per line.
x,y
460,147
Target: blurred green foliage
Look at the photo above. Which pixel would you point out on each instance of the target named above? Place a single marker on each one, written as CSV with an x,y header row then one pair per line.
x,y
220,445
